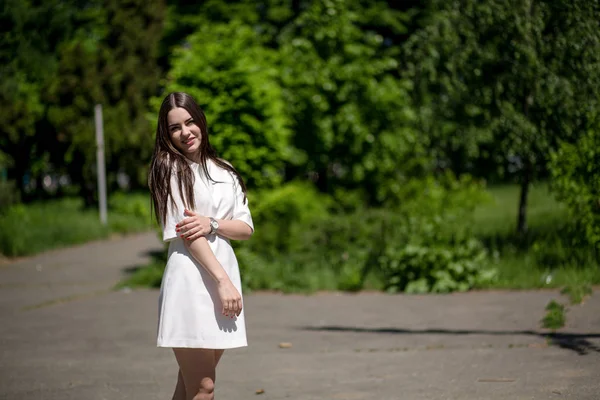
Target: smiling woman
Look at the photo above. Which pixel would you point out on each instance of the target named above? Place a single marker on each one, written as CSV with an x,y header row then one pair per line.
x,y
200,202
184,132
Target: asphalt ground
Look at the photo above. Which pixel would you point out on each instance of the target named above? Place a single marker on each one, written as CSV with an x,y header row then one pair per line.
x,y
65,333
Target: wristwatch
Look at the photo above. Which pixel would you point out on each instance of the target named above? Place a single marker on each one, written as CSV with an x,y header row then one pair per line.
x,y
214,225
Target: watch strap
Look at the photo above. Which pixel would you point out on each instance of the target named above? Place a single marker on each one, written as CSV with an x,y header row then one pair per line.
x,y
213,225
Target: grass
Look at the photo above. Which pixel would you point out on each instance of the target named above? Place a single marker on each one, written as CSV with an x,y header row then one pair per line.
x,y
555,316
545,257
33,228
146,276
577,293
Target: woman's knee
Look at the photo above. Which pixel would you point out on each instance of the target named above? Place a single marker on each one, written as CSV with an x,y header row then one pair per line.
x,y
206,391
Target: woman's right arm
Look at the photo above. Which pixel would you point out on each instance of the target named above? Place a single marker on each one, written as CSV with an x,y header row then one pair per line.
x,y
229,295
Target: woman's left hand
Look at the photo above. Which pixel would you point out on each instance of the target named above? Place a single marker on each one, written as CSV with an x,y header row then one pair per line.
x,y
194,226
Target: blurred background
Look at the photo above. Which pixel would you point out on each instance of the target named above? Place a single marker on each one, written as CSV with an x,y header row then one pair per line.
x,y
408,146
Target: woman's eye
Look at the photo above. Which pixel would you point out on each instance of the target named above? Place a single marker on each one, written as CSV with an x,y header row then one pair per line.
x,y
190,122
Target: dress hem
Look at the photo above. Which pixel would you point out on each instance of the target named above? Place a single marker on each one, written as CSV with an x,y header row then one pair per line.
x,y
197,345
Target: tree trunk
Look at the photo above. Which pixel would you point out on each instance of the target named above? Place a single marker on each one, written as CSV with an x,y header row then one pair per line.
x,y
20,168
525,181
323,179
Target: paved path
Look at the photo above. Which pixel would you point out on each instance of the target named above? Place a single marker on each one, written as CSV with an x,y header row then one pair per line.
x,y
64,334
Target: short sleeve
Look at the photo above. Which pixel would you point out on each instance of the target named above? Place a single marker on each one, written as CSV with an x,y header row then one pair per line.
x,y
241,211
175,211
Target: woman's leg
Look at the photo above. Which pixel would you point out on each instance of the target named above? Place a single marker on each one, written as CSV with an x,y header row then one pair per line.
x,y
218,355
180,388
197,368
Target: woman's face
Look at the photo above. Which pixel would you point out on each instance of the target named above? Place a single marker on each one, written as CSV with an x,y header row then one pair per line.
x,y
184,132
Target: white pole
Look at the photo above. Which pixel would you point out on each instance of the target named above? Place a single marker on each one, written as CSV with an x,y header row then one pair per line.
x,y
100,162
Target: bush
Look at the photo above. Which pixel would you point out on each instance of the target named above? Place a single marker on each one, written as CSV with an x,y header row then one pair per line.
x,y
432,248
435,267
425,244
575,170
281,214
305,242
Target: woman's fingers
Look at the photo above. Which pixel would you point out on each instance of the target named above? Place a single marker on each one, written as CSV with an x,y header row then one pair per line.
x,y
232,308
192,228
194,234
231,299
227,308
189,213
239,309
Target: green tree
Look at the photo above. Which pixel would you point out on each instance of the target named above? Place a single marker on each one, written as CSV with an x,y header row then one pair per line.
x,y
234,77
353,117
59,59
31,34
504,80
111,59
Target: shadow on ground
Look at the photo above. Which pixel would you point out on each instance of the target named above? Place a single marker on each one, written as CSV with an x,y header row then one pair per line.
x,y
576,342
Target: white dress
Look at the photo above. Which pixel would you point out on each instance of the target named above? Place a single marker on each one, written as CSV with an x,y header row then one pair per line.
x,y
189,306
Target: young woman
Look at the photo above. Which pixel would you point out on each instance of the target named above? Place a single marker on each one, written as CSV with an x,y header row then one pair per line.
x,y
200,202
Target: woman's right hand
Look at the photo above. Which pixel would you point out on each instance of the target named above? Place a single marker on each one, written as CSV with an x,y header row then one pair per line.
x,y
231,299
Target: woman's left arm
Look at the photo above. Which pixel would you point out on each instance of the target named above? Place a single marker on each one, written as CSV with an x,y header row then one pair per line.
x,y
239,227
196,225
234,229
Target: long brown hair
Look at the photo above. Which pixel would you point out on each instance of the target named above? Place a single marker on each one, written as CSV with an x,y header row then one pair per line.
x,y
167,159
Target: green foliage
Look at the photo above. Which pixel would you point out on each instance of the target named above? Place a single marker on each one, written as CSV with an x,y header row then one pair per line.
x,y
435,267
146,276
31,34
498,84
515,74
555,316
346,250
282,214
305,246
37,227
59,60
345,94
544,258
138,205
110,60
352,115
577,293
32,228
433,248
575,169
446,195
285,273
234,78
